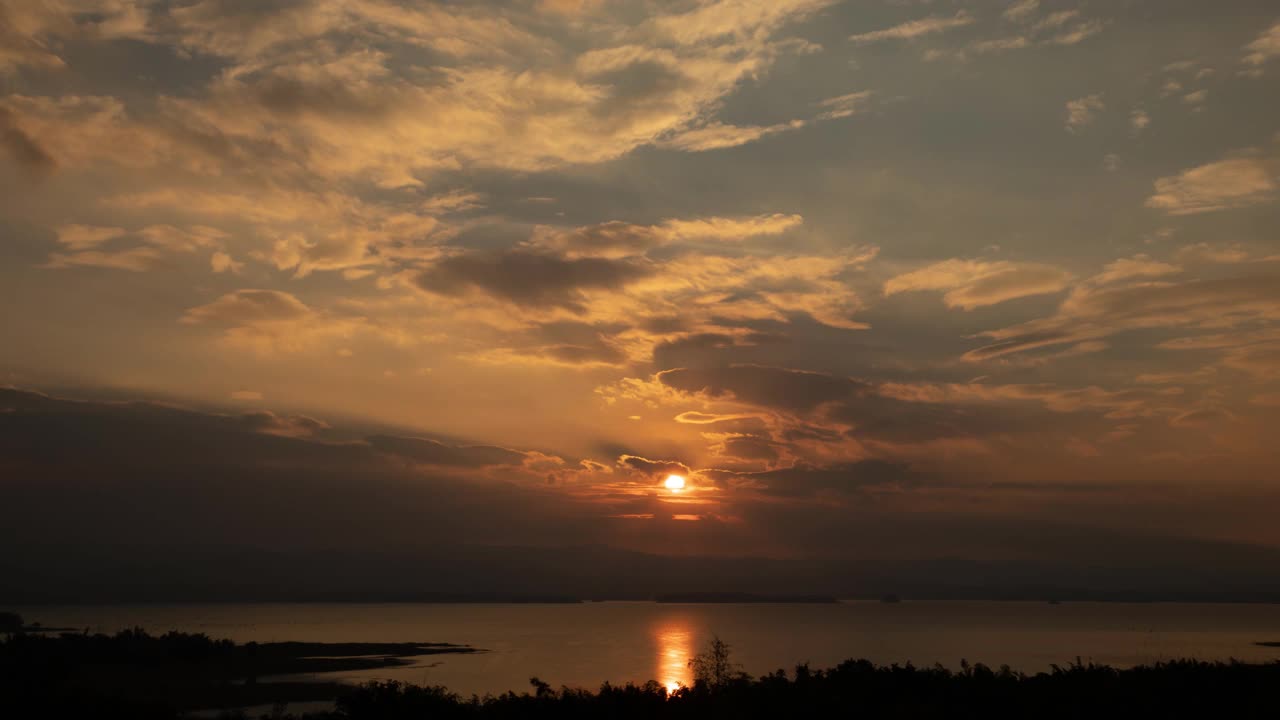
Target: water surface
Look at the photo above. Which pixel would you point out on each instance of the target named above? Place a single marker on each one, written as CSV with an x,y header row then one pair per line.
x,y
584,645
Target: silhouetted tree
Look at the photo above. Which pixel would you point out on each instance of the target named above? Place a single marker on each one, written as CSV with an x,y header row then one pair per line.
x,y
715,667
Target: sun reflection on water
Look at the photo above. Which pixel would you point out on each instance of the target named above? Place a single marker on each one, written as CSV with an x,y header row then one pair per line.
x,y
674,640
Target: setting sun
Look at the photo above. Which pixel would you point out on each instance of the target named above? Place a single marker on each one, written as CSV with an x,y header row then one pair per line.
x,y
674,483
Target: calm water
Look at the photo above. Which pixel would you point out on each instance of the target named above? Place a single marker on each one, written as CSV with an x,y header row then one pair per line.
x,y
584,645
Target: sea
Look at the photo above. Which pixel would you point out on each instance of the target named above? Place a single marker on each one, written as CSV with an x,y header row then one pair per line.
x,y
584,645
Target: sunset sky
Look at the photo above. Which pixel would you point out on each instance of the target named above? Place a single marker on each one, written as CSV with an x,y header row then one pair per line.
x,y
947,277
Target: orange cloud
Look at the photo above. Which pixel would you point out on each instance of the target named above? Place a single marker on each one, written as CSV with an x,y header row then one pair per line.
x,y
974,283
1221,185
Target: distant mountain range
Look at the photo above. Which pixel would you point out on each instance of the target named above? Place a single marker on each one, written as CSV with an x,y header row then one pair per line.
x,y
471,573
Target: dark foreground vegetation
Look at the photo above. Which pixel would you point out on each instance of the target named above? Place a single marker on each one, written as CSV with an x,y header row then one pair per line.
x,y
133,674
139,676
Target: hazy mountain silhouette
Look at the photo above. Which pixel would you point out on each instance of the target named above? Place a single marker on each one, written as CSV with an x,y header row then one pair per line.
x,y
462,572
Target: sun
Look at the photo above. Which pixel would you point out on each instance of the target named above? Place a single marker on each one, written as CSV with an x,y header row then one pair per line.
x,y
674,483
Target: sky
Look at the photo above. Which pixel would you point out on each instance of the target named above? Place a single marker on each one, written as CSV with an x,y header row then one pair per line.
x,y
884,280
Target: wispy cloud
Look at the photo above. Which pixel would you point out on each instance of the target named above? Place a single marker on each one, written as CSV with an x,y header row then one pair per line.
x,y
916,28
716,135
1022,10
971,284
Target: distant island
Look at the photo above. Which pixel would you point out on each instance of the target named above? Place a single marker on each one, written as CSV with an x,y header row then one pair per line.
x,y
739,597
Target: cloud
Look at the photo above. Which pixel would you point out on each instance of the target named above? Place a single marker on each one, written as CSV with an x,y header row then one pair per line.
x,y
1076,35
433,452
244,307
1091,312
336,250
1197,97
22,148
256,33
1201,418
1265,47
1206,374
85,245
771,387
32,34
722,228
1205,253
1056,19
1256,353
983,47
239,469
976,283
916,28
174,239
501,94
1138,266
1081,112
1222,185
1022,10
314,231
655,469
824,418
116,462
720,19
85,237
290,426
561,344
693,417
803,480
614,239
618,239
136,259
528,278
1139,120
80,131
25,34
744,450
603,276
655,82
269,321
221,262
1127,403
1049,30
842,106
716,135
569,7
1261,360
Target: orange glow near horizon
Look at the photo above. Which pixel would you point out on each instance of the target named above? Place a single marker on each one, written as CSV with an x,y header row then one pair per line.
x,y
674,641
